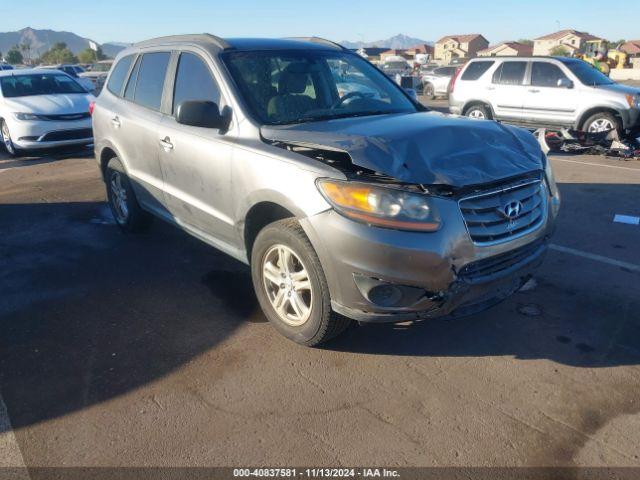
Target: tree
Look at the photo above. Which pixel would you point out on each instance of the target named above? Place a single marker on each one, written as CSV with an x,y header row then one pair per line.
x,y
90,56
14,56
59,53
559,51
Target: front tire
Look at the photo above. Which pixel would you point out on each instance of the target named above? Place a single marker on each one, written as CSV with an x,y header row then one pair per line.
x,y
602,122
429,91
291,286
126,210
5,136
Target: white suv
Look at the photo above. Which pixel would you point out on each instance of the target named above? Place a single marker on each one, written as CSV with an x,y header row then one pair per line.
x,y
544,92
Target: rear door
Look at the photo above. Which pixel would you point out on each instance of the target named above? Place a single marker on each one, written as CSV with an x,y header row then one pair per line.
x,y
545,102
506,91
196,161
136,124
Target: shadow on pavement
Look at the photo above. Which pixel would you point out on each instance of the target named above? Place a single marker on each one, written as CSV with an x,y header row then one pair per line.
x,y
88,314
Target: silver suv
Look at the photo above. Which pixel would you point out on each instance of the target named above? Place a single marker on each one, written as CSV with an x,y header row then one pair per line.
x,y
544,92
303,160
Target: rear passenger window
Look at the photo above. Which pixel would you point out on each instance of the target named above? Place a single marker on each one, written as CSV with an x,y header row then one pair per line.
x,y
153,69
119,75
475,70
510,73
545,74
194,81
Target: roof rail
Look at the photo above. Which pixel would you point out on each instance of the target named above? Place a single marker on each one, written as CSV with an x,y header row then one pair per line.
x,y
322,41
201,37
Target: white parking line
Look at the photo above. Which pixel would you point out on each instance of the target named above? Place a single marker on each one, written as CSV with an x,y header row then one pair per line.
x,y
598,258
556,159
10,454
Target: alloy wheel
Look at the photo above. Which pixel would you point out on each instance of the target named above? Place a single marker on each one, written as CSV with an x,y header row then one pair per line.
x,y
601,125
287,284
6,139
477,114
119,197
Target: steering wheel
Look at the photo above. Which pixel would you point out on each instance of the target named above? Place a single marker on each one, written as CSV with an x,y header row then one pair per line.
x,y
346,97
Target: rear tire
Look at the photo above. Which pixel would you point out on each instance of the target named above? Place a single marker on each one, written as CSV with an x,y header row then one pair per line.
x,y
479,112
298,278
126,210
602,122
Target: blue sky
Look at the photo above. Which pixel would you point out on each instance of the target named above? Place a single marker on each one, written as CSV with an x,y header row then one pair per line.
x,y
134,20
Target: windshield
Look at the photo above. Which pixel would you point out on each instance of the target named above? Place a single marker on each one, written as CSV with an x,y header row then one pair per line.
x,y
284,87
588,74
38,84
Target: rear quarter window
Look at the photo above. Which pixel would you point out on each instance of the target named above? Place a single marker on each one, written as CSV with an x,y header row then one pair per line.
x,y
476,69
119,75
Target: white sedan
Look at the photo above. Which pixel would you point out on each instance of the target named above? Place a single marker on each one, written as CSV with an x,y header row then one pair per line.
x,y
42,109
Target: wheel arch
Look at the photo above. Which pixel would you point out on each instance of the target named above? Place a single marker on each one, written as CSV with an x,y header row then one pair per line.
x,y
259,216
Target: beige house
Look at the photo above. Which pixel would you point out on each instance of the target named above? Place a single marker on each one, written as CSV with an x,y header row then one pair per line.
x,y
459,46
394,52
632,48
507,49
572,41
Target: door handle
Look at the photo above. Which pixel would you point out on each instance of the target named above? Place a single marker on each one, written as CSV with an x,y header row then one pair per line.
x,y
166,143
115,121
534,90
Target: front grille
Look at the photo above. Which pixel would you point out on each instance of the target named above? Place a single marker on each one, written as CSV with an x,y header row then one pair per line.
x,y
486,217
61,135
66,117
502,263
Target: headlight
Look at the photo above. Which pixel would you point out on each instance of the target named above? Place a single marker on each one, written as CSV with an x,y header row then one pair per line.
x,y
381,206
26,116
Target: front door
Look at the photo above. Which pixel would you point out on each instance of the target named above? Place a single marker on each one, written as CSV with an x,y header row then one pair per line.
x,y
548,100
196,161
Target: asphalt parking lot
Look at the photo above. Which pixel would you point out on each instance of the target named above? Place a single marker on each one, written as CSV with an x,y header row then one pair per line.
x,y
151,350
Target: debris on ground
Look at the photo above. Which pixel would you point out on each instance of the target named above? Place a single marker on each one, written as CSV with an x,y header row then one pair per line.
x,y
606,143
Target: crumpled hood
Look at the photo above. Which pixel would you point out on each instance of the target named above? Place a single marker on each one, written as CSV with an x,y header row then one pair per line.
x,y
58,104
427,148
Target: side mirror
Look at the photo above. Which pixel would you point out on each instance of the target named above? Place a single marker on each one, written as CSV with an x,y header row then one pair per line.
x,y
203,114
565,83
412,93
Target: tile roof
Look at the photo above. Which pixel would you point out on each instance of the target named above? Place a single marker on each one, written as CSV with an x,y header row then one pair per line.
x,y
521,48
460,38
562,33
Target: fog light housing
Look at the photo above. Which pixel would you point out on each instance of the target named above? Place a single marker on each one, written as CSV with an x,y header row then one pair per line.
x,y
385,295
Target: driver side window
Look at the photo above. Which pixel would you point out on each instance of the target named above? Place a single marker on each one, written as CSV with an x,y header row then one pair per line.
x,y
194,81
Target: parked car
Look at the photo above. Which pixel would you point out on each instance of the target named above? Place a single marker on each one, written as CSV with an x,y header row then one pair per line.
x,y
436,83
97,74
544,92
396,65
42,108
73,71
352,206
6,66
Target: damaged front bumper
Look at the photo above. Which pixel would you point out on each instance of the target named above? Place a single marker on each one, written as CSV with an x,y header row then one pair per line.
x,y
437,274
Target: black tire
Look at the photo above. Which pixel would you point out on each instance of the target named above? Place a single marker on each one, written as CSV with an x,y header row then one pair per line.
x,y
429,91
482,110
134,219
603,117
7,143
323,324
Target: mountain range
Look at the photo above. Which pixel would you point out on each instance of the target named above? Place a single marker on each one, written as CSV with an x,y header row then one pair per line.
x,y
399,41
42,40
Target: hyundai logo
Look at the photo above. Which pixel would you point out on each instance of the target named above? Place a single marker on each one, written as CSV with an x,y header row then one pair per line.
x,y
512,209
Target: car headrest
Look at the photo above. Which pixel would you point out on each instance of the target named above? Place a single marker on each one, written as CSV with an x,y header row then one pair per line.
x,y
294,78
